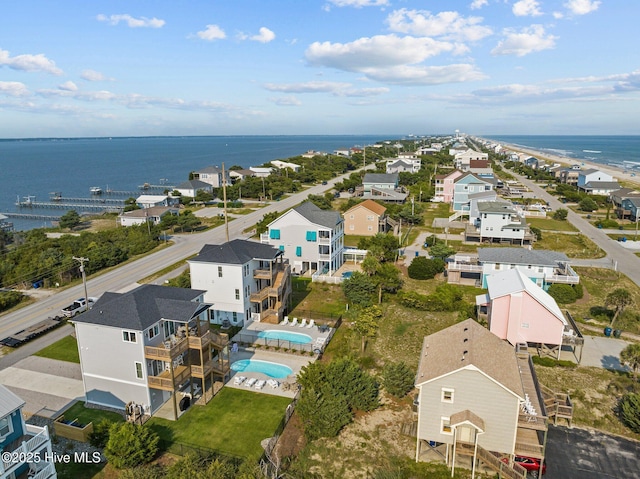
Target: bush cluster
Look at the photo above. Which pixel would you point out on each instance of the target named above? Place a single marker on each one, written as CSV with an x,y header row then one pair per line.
x,y
425,268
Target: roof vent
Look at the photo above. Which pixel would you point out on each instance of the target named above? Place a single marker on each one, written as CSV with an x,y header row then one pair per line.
x,y
466,329
465,340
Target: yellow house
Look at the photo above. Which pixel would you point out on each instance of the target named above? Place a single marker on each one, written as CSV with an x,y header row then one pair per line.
x,y
367,219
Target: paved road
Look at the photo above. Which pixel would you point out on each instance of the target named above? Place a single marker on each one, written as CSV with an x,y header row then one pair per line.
x,y
624,260
123,277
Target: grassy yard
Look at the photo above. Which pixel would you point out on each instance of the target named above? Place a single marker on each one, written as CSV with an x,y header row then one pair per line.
x,y
435,210
233,423
325,299
85,415
65,349
574,246
551,224
353,240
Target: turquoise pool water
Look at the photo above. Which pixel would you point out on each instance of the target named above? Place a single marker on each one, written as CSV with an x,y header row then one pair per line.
x,y
273,370
286,336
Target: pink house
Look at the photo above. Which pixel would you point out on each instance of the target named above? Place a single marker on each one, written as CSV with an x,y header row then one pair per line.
x,y
444,186
520,311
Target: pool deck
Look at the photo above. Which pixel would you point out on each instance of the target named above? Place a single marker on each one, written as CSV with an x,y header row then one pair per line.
x,y
295,362
255,327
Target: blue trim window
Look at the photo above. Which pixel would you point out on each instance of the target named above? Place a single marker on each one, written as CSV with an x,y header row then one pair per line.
x,y
312,236
298,250
281,248
274,234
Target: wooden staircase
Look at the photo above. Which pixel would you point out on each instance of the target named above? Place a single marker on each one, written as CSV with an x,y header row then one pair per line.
x,y
558,405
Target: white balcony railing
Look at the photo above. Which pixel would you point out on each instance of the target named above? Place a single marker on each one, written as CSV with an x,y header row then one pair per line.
x,y
39,438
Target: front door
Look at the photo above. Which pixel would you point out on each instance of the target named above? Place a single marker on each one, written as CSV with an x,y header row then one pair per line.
x,y
466,434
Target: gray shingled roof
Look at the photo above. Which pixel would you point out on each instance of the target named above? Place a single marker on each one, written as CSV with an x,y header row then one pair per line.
x,y
534,257
465,344
144,306
610,185
326,218
9,402
193,184
380,178
210,169
496,207
237,251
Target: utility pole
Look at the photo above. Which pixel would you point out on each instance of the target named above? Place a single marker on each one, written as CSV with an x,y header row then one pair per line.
x,y
224,199
84,280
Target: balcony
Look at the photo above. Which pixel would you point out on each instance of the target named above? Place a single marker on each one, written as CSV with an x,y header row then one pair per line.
x,y
164,380
264,274
34,440
169,351
259,296
563,275
466,267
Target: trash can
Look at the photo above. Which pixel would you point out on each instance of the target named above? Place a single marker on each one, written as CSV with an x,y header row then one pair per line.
x,y
607,332
185,402
617,333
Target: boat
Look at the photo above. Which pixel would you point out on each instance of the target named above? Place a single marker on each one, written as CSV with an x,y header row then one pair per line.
x,y
95,190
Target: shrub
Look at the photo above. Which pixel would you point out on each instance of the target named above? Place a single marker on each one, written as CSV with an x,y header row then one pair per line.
x,y
411,299
130,445
550,362
579,290
425,268
560,214
537,232
398,379
629,409
587,204
562,293
8,299
100,435
607,224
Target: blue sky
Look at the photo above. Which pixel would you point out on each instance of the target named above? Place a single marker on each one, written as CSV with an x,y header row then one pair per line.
x,y
246,67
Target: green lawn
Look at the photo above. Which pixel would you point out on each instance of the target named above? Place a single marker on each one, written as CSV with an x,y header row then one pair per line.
x,y
85,415
551,224
574,246
64,350
322,298
233,423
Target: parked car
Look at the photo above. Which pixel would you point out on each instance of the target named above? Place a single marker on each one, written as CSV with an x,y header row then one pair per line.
x,y
78,306
531,464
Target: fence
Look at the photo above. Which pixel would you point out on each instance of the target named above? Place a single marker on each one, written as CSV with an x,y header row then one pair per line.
x,y
182,449
269,464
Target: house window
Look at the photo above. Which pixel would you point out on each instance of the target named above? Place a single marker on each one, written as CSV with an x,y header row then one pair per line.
x,y
369,228
445,426
298,251
139,374
237,293
540,269
369,217
350,217
154,331
312,235
219,271
447,395
274,234
352,227
5,427
246,270
235,317
129,337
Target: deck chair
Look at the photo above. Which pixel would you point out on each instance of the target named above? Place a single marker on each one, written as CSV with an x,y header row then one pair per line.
x,y
311,323
285,321
294,323
303,323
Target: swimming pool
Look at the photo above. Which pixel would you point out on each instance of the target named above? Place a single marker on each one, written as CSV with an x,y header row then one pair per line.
x,y
273,370
298,338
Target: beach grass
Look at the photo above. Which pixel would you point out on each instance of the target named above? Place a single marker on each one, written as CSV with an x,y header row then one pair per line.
x,y
66,349
549,224
573,245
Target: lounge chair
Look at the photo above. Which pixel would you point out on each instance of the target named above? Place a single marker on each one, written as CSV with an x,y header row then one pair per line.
x,y
311,323
239,380
294,323
260,384
303,323
250,382
273,383
285,321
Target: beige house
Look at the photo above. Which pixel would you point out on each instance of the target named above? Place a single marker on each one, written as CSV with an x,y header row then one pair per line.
x,y
367,219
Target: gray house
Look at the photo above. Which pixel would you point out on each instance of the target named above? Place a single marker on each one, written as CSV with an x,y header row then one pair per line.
x,y
146,346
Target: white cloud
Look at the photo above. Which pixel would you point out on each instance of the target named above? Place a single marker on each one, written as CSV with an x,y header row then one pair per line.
x,y
526,8
92,75
528,40
427,75
477,4
212,32
68,86
359,3
13,88
142,22
265,36
334,88
286,101
29,63
449,25
582,7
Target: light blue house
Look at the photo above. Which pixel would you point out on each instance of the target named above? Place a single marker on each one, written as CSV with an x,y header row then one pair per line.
x,y
466,185
23,441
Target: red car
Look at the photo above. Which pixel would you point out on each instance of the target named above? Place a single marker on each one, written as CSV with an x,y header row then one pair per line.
x,y
531,464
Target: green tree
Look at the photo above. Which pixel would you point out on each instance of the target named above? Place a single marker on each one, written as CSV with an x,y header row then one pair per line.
x,y
322,413
619,298
70,219
560,214
422,267
398,379
382,246
183,280
441,251
367,324
630,411
360,289
100,435
389,279
587,204
631,357
131,445
187,220
130,204
562,293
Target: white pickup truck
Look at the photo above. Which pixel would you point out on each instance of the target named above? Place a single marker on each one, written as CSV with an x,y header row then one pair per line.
x,y
78,306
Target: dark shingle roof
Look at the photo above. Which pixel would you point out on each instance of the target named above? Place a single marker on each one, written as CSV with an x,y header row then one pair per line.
x,y
193,184
599,185
327,218
237,251
533,257
380,178
144,306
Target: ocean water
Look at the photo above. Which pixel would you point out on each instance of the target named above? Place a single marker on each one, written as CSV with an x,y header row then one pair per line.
x,y
621,151
39,167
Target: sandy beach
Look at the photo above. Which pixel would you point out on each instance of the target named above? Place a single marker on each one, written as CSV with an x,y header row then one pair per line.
x,y
625,179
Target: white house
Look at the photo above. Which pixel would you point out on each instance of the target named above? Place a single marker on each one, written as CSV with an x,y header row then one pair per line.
x,y
191,187
149,201
463,158
499,221
145,346
260,172
284,164
210,174
399,165
310,238
243,280
596,182
153,214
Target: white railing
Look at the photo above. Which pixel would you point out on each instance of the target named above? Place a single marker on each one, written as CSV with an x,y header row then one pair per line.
x,y
542,214
464,267
45,472
264,237
40,437
561,278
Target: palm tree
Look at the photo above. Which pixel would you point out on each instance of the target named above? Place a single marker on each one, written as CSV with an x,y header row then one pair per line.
x,y
631,357
619,298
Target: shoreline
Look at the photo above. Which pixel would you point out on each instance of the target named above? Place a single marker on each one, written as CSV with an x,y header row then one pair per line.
x,y
615,171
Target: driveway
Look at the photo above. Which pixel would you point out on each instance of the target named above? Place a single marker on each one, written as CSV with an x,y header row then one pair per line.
x,y
585,454
602,352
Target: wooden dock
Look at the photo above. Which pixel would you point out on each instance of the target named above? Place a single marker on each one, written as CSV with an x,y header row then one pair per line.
x,y
94,200
30,216
92,208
